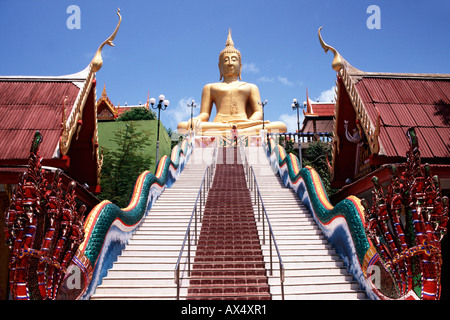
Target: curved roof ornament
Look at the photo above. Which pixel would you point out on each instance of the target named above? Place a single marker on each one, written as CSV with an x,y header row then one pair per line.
x,y
74,121
338,61
97,61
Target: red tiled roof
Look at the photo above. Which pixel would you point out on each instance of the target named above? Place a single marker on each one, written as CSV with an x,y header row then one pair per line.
x,y
121,110
28,105
323,109
402,102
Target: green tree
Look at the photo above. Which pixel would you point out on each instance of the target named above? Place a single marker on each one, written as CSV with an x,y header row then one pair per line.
x,y
137,113
288,144
316,156
123,164
169,131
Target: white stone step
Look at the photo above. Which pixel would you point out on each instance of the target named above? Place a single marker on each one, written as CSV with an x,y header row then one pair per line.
x,y
311,280
145,269
300,259
345,295
138,282
172,259
145,247
313,270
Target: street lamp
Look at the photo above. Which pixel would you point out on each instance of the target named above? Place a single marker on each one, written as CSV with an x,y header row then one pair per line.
x,y
262,104
192,105
296,105
162,104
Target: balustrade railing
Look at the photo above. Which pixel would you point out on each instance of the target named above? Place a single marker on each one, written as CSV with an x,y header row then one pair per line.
x,y
196,218
257,198
303,137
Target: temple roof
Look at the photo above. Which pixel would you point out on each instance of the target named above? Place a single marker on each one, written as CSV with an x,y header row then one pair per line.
x,y
324,109
34,103
107,111
408,100
62,109
373,112
320,115
387,104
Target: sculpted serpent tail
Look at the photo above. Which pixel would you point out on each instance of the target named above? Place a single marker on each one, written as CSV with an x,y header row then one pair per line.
x,y
397,239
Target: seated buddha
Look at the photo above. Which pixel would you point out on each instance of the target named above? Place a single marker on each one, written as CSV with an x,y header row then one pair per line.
x,y
238,103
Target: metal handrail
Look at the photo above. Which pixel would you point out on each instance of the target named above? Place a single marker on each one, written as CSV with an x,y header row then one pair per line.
x,y
253,186
244,161
201,195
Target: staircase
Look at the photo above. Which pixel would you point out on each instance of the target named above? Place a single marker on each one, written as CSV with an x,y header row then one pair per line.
x,y
229,262
313,270
145,270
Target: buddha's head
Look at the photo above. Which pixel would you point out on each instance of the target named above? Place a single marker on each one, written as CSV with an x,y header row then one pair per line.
x,y
230,63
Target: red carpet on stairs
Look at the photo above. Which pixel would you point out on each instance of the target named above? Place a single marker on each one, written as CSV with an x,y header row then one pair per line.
x,y
229,264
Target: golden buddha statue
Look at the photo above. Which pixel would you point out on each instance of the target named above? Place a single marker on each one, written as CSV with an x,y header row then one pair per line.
x,y
237,102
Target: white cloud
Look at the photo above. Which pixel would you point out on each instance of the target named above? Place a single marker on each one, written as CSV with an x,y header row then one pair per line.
x,y
285,81
250,68
291,121
327,95
180,112
266,79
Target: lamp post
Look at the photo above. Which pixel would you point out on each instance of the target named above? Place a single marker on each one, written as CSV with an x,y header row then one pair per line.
x,y
262,104
295,105
162,104
192,105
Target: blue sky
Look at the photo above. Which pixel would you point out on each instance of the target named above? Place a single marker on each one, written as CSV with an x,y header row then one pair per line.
x,y
172,46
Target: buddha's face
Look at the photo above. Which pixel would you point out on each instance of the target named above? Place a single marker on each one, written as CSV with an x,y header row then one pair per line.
x,y
230,65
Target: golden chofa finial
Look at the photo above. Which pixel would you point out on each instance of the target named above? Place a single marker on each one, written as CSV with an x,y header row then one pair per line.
x,y
338,60
97,62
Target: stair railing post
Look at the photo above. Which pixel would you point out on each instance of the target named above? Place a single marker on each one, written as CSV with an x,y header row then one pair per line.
x,y
282,279
195,231
189,253
251,179
177,281
259,210
255,185
264,231
204,190
250,187
209,177
201,202
270,249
